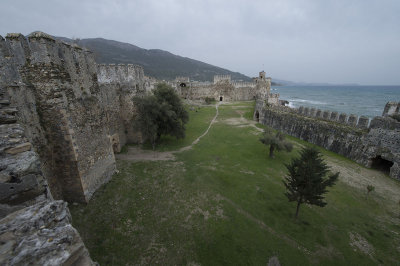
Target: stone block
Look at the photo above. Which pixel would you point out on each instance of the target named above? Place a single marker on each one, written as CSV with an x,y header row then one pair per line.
x,y
318,113
19,148
363,122
313,112
352,121
306,111
334,116
25,189
326,115
41,234
343,118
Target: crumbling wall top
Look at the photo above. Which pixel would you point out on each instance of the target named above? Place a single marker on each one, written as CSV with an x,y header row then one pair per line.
x,y
39,34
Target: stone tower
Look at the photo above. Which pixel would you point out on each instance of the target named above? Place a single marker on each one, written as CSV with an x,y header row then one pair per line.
x,y
263,86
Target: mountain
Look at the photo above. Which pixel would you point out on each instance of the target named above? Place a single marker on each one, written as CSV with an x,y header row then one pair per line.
x,y
156,63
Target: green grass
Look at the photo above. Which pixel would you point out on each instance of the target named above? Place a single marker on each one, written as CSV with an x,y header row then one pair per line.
x,y
222,203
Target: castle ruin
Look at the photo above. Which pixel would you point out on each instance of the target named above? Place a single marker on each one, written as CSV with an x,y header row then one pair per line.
x,y
224,89
62,118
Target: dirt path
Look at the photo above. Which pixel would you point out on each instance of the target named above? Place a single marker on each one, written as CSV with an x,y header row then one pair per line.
x,y
360,177
241,121
135,154
205,133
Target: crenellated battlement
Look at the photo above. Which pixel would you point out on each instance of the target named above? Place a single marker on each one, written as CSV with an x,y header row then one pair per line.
x,y
355,137
243,84
391,108
222,78
362,122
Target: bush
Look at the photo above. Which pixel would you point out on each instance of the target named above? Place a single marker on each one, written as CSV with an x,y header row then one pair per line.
x,y
161,114
209,100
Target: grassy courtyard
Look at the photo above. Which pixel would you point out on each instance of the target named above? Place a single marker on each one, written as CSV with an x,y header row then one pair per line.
x,y
221,202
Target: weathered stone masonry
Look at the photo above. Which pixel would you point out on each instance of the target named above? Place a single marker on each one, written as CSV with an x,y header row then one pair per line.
x,y
223,89
62,117
36,229
352,138
118,85
74,117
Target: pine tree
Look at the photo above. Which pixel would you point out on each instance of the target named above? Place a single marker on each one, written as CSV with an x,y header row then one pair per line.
x,y
275,141
305,182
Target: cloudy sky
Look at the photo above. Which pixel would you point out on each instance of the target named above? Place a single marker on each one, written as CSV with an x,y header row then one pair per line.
x,y
338,41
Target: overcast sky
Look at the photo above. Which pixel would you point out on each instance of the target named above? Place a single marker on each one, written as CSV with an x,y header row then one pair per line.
x,y
339,41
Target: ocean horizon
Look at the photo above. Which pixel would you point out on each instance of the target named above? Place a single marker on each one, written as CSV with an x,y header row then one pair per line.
x,y
350,99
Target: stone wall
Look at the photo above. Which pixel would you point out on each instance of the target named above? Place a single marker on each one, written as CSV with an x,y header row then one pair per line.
x,y
350,120
21,180
359,143
118,85
222,79
227,91
391,108
35,229
223,89
41,234
54,87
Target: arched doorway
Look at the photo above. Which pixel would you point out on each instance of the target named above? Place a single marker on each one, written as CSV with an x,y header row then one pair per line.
x,y
381,164
257,116
221,98
182,85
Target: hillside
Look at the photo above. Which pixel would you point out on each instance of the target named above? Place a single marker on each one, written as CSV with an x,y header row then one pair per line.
x,y
156,63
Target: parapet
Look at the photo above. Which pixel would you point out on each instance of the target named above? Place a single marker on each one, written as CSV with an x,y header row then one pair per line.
x,y
352,120
182,79
326,115
363,122
41,48
222,78
243,84
391,108
343,118
306,111
334,116
127,76
39,35
318,113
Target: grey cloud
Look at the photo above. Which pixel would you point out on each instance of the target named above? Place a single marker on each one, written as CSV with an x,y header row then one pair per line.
x,y
306,40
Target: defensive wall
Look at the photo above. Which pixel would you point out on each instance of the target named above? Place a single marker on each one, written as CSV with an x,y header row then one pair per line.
x,y
118,85
374,144
224,89
62,117
47,92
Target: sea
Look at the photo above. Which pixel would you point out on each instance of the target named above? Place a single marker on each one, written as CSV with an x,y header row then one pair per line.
x,y
359,100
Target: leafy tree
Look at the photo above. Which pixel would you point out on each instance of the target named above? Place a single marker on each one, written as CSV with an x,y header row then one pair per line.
x,y
275,141
305,182
148,110
173,115
161,114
